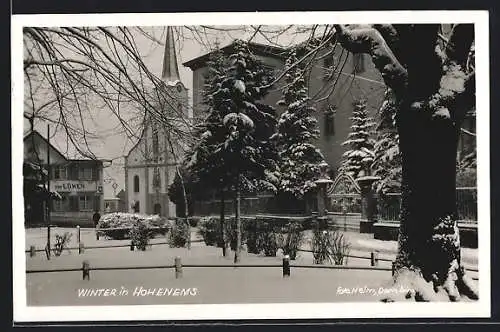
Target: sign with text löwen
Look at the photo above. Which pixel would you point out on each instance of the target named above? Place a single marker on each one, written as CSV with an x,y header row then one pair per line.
x,y
73,186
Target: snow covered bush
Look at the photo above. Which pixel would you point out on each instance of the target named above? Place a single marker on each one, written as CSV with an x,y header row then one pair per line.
x,y
179,234
209,228
140,235
121,223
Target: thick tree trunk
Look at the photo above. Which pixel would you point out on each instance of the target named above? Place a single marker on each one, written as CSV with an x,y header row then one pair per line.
x,y
429,240
433,90
238,221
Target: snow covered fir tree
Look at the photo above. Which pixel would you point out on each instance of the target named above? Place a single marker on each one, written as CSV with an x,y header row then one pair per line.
x,y
235,146
297,129
248,150
358,159
205,160
387,164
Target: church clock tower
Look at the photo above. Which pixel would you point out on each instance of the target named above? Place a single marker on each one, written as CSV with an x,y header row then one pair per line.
x,y
150,166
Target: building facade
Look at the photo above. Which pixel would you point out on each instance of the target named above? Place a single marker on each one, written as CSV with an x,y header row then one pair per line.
x,y
333,92
79,182
150,166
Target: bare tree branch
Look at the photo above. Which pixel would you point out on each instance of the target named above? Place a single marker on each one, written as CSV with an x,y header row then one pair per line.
x,y
369,40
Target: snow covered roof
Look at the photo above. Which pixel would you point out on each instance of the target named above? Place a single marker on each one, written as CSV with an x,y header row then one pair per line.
x,y
256,48
172,83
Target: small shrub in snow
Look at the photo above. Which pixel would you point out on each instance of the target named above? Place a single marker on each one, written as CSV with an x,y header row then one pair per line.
x,y
268,239
140,236
292,239
179,234
62,242
209,229
329,246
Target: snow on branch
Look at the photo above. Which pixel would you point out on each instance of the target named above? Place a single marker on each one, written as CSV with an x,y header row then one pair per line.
x,y
465,131
365,39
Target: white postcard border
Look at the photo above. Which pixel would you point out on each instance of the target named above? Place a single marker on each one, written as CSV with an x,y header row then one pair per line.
x,y
481,308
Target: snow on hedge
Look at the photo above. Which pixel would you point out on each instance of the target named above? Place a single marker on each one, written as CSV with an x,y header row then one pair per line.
x,y
127,220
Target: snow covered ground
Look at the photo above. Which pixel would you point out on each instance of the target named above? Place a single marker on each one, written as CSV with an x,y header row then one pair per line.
x,y
210,285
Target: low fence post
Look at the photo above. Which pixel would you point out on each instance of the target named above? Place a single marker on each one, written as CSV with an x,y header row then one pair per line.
x,y
132,245
86,270
32,251
393,268
81,248
78,235
286,266
96,234
178,268
47,251
373,258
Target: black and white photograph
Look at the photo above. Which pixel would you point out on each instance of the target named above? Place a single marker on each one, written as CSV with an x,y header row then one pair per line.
x,y
250,165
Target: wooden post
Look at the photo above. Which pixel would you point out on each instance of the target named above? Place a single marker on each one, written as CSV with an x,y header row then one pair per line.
x,y
178,268
32,251
86,270
96,234
81,248
132,245
286,266
49,199
47,248
47,251
373,258
393,268
78,235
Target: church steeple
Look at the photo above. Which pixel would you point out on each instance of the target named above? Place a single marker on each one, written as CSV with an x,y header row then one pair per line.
x,y
170,72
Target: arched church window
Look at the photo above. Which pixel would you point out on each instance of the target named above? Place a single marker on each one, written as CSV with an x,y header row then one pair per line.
x,y
136,183
156,148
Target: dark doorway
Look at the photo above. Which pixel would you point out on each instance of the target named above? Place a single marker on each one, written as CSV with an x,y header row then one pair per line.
x,y
157,209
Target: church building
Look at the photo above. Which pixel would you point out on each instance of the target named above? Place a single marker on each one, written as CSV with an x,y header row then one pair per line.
x,y
150,166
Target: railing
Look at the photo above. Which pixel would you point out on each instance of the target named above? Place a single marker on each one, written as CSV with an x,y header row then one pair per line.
x,y
466,197
344,203
178,267
81,246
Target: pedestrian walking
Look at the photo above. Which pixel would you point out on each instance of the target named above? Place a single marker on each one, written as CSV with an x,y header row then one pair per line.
x,y
96,217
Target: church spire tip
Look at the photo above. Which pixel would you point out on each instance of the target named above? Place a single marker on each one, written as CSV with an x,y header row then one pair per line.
x,y
170,72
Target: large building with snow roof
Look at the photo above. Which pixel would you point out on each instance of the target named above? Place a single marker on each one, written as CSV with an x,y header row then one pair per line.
x,y
334,93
